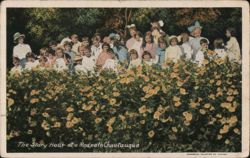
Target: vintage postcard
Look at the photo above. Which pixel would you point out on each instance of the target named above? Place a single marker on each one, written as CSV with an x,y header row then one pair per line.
x,y
124,79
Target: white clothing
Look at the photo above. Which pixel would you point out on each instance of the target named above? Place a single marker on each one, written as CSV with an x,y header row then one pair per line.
x,y
111,64
173,53
60,64
75,47
134,63
199,58
21,50
88,64
30,65
187,50
233,50
221,53
96,51
16,70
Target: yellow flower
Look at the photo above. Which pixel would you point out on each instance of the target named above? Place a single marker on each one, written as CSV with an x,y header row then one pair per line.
x,y
211,81
225,105
177,104
33,111
75,120
112,101
87,107
230,98
218,83
111,121
224,129
235,92
174,129
227,141
69,116
207,106
193,104
157,115
187,123
212,96
110,129
183,91
146,89
205,62
69,124
122,118
179,83
116,94
142,122
188,116
34,92
146,78
10,101
237,131
98,120
142,109
45,114
202,111
90,94
69,109
151,133
232,120
34,100
57,125
176,99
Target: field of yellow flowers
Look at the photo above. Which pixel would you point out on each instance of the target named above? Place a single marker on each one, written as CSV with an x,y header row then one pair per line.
x,y
177,108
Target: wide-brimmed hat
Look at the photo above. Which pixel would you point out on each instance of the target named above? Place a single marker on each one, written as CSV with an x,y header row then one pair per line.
x,y
172,37
77,58
18,35
196,25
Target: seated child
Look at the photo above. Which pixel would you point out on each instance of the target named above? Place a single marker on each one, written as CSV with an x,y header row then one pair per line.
x,y
60,62
30,58
219,48
232,46
75,44
147,58
78,61
135,61
43,63
17,69
88,61
149,45
68,50
200,56
160,51
104,55
51,58
111,63
85,42
173,52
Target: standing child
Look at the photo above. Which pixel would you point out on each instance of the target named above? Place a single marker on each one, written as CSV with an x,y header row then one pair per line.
x,y
160,51
17,69
219,48
135,61
173,52
88,61
186,46
149,45
104,55
120,50
75,44
68,50
200,56
135,42
232,46
21,49
96,47
147,58
30,58
111,63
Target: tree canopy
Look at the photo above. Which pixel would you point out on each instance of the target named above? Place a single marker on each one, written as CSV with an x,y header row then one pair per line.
x,y
42,25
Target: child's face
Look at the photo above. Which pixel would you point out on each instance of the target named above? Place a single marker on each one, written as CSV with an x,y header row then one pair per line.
x,y
173,42
197,32
185,38
87,53
20,40
85,43
146,57
59,54
67,48
228,34
30,59
204,45
81,51
105,48
133,56
132,32
96,43
74,39
162,45
15,63
148,39
51,56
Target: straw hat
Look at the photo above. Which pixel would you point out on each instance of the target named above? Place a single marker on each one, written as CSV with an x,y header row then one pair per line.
x,y
17,35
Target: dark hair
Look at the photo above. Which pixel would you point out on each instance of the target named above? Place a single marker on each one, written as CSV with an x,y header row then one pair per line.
x,y
105,44
232,31
73,35
67,43
59,49
51,43
144,39
218,43
43,49
146,53
85,38
30,55
203,40
161,40
51,51
16,59
43,59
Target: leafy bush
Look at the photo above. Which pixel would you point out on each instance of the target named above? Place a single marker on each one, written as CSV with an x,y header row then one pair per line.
x,y
177,108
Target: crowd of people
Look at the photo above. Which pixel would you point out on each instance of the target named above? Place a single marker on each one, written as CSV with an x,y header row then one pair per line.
x,y
98,53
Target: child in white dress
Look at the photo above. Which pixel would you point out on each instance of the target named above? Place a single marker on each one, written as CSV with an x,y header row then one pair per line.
x,y
200,56
17,69
173,52
88,61
232,46
219,48
135,61
30,64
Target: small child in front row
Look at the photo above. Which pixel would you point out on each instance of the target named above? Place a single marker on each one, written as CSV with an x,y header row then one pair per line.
x,y
30,64
88,61
147,58
173,52
60,62
43,63
186,47
17,69
200,56
219,48
78,61
111,63
135,61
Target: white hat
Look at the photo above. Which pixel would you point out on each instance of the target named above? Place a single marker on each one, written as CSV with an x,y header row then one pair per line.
x,y
18,35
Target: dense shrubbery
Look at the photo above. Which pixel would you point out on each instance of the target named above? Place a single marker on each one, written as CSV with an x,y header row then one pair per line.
x,y
180,107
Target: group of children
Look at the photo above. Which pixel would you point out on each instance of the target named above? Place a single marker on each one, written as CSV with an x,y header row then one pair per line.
x,y
97,53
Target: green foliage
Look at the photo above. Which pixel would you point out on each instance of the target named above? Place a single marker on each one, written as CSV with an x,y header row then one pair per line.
x,y
179,107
